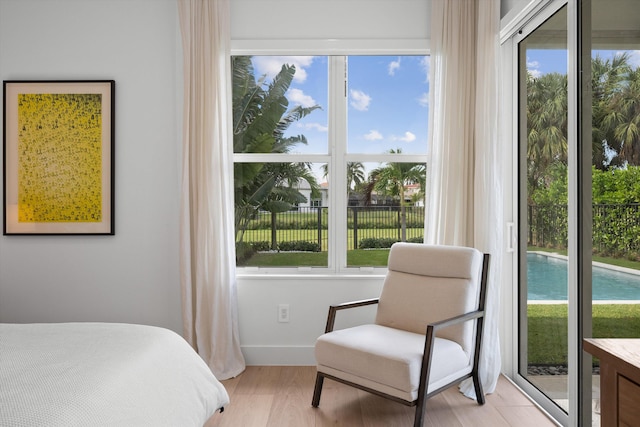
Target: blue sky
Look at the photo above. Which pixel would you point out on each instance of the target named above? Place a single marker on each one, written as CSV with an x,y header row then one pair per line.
x,y
387,97
387,101
543,61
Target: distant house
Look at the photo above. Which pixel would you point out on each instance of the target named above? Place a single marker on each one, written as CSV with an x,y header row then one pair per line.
x,y
305,189
410,191
355,199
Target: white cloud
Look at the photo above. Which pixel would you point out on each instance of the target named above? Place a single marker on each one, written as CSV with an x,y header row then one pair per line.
x,y
535,73
359,100
534,68
426,66
313,126
393,66
271,65
407,137
423,100
373,135
297,96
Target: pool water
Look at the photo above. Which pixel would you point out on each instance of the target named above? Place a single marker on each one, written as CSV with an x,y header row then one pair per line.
x,y
547,280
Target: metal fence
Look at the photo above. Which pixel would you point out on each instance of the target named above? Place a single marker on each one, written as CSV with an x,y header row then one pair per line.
x,y
310,224
384,223
547,226
616,227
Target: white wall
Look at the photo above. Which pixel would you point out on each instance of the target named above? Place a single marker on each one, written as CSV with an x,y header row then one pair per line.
x,y
330,19
132,276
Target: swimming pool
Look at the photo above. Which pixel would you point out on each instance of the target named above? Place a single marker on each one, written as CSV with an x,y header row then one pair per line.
x,y
547,280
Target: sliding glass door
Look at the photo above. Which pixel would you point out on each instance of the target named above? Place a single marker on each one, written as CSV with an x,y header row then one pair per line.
x,y
611,117
543,209
578,196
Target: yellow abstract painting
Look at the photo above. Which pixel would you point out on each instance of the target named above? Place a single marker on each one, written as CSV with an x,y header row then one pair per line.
x,y
60,157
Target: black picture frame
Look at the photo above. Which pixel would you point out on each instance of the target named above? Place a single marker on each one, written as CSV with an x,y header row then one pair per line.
x,y
58,157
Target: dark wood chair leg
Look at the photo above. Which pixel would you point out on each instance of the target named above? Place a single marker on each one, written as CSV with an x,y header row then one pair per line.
x,y
421,407
478,387
317,390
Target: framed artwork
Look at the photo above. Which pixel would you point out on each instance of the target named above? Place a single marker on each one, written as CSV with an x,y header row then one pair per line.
x,y
58,154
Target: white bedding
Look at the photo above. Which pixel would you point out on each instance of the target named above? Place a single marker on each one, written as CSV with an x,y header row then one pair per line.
x,y
103,374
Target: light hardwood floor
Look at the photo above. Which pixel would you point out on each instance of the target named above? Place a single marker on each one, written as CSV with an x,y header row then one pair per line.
x,y
280,396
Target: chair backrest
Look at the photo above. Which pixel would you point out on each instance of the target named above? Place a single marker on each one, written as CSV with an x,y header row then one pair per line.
x,y
428,283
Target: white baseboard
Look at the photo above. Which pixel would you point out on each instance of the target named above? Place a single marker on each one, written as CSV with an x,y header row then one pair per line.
x,y
255,355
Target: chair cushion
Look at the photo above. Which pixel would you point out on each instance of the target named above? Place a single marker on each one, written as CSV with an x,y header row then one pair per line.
x,y
435,260
427,283
387,359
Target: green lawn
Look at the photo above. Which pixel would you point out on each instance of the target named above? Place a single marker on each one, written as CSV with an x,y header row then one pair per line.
x,y
547,332
312,235
288,259
360,257
355,258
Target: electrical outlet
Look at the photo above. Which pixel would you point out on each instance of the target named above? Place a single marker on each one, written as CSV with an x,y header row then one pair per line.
x,y
283,313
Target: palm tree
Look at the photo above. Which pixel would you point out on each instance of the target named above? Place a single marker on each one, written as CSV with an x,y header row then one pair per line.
x,y
355,175
261,117
608,78
627,131
546,126
392,179
615,123
284,194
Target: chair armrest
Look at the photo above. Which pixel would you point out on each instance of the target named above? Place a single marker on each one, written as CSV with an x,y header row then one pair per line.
x,y
430,340
455,320
435,326
333,309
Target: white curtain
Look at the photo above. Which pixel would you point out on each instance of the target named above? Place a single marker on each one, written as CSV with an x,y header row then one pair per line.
x,y
464,193
207,248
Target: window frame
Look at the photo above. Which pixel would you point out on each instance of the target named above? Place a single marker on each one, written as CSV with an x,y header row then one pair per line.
x,y
336,52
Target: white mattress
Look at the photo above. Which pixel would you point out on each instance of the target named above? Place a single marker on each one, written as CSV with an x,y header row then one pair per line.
x,y
103,374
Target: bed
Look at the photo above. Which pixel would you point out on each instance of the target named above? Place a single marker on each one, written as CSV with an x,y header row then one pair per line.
x,y
103,374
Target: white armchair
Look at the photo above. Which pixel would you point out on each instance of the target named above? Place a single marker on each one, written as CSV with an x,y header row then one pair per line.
x,y
427,331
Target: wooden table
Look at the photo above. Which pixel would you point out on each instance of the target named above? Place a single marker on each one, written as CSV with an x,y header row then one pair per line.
x,y
619,379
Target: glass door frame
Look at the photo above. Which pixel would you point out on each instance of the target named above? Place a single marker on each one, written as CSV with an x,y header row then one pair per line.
x,y
579,195
580,211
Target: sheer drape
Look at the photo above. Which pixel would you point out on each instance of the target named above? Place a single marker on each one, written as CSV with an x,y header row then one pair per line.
x,y
207,248
463,191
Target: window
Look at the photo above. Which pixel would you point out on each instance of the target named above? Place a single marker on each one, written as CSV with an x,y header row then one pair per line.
x,y
329,159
